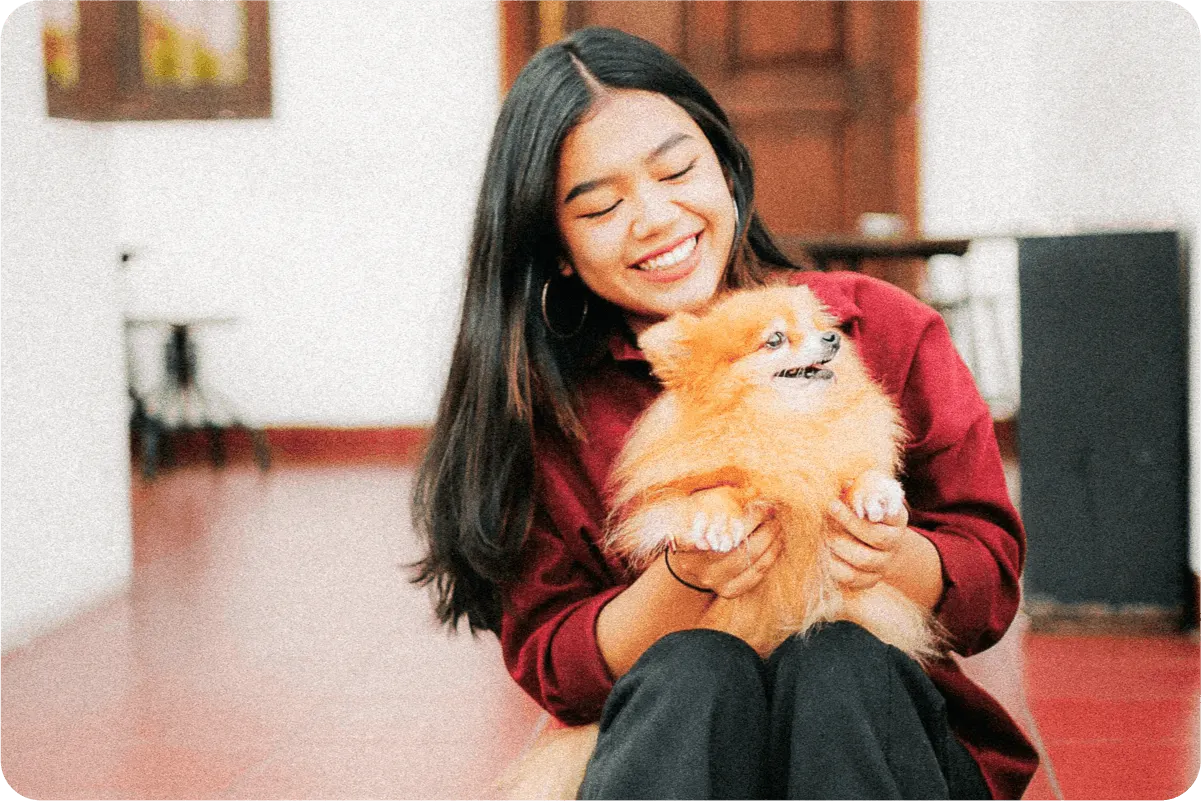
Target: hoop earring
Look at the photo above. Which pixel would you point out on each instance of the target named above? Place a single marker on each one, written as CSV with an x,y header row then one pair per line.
x,y
546,317
737,218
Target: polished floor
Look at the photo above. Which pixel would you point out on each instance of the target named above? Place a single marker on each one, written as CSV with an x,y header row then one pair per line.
x,y
270,647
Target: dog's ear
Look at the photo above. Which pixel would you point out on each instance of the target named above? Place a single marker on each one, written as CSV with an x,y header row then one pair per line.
x,y
667,345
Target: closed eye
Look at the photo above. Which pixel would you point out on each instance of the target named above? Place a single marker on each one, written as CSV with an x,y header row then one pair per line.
x,y
681,173
601,213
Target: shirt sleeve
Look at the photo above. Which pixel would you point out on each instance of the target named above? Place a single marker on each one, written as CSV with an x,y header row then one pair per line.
x,y
548,625
956,489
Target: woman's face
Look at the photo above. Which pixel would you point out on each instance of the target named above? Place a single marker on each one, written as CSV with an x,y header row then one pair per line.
x,y
643,206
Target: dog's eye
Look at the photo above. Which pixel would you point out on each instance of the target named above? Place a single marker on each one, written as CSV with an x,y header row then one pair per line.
x,y
775,340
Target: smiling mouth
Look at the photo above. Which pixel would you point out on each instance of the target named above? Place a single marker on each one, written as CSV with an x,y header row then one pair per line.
x,y
672,258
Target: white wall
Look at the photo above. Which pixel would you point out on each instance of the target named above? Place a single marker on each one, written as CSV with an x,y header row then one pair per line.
x,y
1042,117
65,507
337,230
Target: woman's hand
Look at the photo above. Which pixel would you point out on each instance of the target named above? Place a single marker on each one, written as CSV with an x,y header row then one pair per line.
x,y
732,572
657,603
864,551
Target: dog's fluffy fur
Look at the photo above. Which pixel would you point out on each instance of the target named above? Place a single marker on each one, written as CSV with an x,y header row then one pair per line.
x,y
737,413
765,400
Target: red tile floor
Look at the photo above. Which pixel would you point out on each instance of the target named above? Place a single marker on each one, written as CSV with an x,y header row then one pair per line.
x,y
270,647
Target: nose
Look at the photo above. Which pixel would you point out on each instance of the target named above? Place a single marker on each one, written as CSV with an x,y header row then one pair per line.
x,y
832,340
653,213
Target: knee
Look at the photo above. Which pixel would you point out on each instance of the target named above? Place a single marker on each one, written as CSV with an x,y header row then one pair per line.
x,y
838,640
836,655
699,663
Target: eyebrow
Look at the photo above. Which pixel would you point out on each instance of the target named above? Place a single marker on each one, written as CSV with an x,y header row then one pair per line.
x,y
587,186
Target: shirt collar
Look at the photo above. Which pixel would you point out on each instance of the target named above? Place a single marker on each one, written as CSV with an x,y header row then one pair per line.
x,y
622,349
833,294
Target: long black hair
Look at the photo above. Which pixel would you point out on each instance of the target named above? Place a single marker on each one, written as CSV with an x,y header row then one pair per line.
x,y
509,376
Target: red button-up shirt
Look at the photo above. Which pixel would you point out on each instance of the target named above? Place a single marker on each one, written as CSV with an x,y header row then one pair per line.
x,y
953,482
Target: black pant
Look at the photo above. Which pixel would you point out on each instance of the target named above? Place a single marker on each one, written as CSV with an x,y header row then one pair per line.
x,y
836,714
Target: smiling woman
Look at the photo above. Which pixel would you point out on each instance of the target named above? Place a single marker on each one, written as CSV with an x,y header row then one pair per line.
x,y
614,177
646,215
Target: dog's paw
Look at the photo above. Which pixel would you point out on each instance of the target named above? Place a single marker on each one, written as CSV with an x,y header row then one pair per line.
x,y
876,496
714,521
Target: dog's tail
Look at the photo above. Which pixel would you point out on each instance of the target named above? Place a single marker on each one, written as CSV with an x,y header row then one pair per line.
x,y
895,619
552,767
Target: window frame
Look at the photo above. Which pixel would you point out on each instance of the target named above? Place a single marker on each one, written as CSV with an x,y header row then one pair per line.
x,y
111,86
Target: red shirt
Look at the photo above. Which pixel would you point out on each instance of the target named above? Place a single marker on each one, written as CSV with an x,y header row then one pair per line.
x,y
953,483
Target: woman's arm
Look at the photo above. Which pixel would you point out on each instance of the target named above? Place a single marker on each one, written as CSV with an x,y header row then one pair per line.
x,y
657,603
654,605
959,501
567,631
917,570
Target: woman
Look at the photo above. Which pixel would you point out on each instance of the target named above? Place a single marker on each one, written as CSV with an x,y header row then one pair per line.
x,y
616,194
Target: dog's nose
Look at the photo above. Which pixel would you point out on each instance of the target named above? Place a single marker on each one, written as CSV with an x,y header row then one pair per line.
x,y
831,340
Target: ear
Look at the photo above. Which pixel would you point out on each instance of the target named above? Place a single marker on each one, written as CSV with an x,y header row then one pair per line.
x,y
666,345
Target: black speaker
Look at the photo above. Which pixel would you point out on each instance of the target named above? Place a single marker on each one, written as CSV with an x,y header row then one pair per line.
x,y
1103,423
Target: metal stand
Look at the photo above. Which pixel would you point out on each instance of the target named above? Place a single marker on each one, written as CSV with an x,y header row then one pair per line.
x,y
181,404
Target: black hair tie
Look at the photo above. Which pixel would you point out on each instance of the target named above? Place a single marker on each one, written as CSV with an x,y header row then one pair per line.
x,y
690,586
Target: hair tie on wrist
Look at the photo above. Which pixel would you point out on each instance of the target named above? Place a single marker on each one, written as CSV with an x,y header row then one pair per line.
x,y
667,562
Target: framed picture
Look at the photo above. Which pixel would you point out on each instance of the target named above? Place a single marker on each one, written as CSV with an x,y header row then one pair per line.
x,y
138,60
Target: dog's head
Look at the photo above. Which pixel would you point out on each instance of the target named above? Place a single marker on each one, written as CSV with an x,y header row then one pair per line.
x,y
777,341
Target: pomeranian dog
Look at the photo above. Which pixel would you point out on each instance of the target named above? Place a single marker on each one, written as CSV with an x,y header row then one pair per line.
x,y
764,403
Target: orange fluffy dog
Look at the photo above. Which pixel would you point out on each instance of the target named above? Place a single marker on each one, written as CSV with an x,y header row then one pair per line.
x,y
766,402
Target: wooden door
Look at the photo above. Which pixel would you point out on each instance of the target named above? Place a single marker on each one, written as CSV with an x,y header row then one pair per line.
x,y
822,93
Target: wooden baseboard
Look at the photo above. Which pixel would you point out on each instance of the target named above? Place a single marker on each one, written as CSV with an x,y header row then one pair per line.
x,y
1107,619
402,445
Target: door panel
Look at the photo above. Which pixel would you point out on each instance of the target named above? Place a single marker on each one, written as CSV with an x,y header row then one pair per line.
x,y
813,158
767,32
660,22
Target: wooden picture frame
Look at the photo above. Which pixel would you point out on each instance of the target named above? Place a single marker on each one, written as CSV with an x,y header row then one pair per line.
x,y
99,69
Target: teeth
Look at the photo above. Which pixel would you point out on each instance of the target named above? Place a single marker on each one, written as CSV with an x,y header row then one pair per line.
x,y
804,372
672,257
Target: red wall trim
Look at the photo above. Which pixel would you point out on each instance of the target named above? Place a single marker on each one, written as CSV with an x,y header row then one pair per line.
x,y
400,445
396,445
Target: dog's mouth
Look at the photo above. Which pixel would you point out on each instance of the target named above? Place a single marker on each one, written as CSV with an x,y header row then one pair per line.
x,y
812,371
